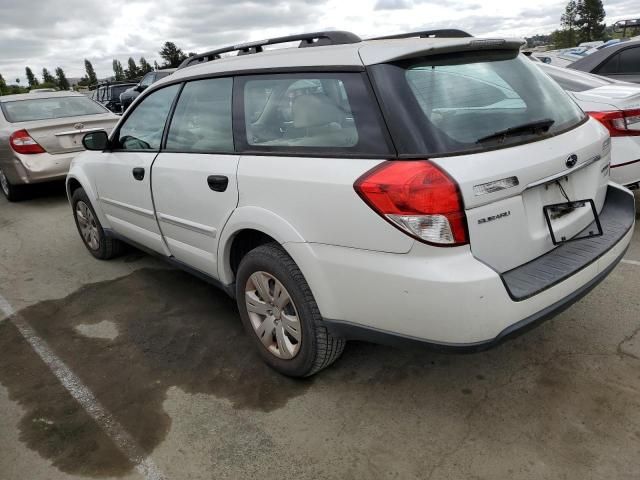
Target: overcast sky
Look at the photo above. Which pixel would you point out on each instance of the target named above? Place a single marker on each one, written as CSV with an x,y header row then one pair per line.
x,y
51,33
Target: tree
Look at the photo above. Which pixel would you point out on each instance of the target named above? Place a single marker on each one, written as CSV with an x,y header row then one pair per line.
x,y
144,66
118,70
568,20
172,55
156,66
47,77
131,73
590,20
31,78
91,73
63,83
3,84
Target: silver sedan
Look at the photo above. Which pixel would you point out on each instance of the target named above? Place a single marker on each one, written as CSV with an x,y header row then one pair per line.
x,y
40,133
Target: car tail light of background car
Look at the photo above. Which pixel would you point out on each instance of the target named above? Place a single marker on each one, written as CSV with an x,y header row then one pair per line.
x,y
21,142
418,198
620,123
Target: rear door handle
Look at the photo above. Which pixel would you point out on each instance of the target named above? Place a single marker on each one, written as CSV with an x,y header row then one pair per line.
x,y
138,173
218,183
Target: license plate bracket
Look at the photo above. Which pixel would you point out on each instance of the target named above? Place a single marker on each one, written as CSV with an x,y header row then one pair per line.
x,y
558,210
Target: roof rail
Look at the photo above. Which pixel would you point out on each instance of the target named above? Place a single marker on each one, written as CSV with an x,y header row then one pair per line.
x,y
315,39
442,33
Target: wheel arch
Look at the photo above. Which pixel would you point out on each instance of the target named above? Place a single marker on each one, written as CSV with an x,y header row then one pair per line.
x,y
247,228
75,181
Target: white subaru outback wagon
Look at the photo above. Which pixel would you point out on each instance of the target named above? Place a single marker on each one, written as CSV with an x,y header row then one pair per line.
x,y
430,187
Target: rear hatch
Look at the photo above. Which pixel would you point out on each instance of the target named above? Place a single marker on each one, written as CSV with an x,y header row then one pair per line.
x,y
64,135
511,138
505,191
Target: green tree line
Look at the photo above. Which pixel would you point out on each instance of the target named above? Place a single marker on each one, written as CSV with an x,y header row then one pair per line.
x,y
170,53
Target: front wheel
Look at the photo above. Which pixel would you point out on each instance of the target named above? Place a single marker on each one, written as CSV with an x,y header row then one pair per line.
x,y
90,229
279,312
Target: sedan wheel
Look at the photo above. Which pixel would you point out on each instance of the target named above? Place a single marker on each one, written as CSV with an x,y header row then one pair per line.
x,y
87,225
273,315
4,183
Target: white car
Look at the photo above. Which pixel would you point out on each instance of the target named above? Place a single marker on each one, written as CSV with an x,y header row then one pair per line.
x,y
435,189
617,106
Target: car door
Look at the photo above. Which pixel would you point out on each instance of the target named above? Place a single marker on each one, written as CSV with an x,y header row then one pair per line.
x,y
194,176
123,179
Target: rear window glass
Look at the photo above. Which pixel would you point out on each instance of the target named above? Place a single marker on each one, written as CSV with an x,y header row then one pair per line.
x,y
573,80
475,101
47,108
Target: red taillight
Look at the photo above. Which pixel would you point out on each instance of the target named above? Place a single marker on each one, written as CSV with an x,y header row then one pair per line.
x,y
620,123
418,198
21,142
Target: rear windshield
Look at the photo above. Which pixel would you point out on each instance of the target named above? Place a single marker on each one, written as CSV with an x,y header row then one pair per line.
x,y
573,80
474,101
47,108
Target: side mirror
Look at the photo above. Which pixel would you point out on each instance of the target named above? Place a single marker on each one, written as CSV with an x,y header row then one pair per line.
x,y
97,141
140,88
546,60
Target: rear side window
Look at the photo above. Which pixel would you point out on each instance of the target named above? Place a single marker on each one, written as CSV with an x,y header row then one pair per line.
x,y
610,66
307,113
450,104
629,61
202,119
143,128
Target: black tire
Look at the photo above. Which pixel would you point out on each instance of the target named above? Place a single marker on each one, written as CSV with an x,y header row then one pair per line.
x,y
108,247
318,348
13,193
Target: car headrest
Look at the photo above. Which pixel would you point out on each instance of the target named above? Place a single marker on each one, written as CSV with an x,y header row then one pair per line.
x,y
315,111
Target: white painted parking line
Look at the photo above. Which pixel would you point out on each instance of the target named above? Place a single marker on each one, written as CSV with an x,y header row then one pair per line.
x,y
120,437
631,262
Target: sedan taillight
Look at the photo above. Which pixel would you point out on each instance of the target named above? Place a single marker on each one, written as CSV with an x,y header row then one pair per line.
x,y
620,123
418,198
21,142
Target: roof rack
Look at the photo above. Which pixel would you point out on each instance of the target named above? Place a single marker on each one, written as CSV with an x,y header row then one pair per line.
x,y
442,33
306,40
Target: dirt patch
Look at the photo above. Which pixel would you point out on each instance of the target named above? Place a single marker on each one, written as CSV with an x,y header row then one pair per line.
x,y
173,330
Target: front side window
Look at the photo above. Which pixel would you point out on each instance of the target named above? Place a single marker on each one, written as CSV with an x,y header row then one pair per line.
x,y
301,113
474,101
202,119
47,108
143,128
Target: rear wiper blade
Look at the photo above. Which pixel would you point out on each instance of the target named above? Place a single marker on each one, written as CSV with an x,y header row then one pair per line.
x,y
538,126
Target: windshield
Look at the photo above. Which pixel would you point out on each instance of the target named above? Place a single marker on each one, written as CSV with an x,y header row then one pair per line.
x,y
47,108
460,100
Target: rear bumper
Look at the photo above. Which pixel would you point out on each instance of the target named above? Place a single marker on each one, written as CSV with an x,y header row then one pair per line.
x,y
446,297
42,167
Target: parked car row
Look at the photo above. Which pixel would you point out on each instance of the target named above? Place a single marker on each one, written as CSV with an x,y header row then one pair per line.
x,y
129,95
108,94
429,187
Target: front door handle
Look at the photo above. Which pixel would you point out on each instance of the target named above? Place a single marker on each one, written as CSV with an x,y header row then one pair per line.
x,y
138,173
218,183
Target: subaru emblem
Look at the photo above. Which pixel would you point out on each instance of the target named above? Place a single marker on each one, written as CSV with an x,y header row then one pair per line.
x,y
571,161
79,126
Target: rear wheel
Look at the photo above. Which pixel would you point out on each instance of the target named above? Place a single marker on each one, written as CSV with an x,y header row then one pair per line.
x,y
91,232
12,192
280,314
